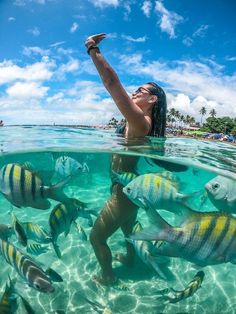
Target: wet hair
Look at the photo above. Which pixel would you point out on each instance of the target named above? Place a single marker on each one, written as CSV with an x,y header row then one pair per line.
x,y
158,111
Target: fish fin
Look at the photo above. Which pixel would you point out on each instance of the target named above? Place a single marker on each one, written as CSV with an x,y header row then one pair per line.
x,y
155,218
27,305
56,193
149,234
57,249
54,276
157,267
184,198
159,229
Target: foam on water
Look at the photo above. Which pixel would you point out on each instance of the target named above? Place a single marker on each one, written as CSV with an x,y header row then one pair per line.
x,y
137,291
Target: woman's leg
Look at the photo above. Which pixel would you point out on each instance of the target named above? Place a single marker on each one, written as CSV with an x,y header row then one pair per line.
x,y
118,212
105,225
127,228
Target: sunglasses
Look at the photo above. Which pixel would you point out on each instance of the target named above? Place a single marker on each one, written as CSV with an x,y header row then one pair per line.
x,y
141,90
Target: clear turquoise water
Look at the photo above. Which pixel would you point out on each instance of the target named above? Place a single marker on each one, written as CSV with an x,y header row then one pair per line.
x,y
42,146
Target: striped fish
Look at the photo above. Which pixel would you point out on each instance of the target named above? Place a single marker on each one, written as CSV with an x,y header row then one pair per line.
x,y
122,178
61,218
36,249
23,187
145,250
36,233
159,192
8,302
174,296
26,267
202,238
19,231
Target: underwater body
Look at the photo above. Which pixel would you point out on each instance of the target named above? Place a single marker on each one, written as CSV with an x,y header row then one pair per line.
x,y
55,180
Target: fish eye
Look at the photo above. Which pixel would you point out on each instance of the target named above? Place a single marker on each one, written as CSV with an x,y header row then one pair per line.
x,y
37,286
128,190
215,186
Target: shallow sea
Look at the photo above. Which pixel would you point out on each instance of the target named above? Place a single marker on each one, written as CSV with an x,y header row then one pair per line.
x,y
41,147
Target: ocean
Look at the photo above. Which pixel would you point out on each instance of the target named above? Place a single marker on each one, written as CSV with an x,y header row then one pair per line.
x,y
44,152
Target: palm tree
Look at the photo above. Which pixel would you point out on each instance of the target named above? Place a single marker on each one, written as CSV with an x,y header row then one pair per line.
x,y
213,113
202,111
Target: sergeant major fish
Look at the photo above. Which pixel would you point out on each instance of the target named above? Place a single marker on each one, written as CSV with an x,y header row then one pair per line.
x,y
23,187
222,193
26,267
61,218
174,296
123,178
202,238
19,231
67,166
36,233
8,302
36,249
158,191
146,251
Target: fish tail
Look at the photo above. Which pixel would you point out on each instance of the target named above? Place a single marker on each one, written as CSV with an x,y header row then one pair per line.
x,y
158,268
187,197
56,191
161,230
57,249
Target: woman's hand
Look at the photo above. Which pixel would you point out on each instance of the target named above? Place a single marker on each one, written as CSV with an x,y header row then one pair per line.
x,y
94,40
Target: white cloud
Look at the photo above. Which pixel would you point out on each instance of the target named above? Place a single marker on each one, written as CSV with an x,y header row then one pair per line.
x,y
69,67
201,31
104,3
194,79
59,43
34,31
11,19
187,41
22,3
27,51
228,58
26,90
136,40
168,20
55,97
83,103
38,71
74,27
146,8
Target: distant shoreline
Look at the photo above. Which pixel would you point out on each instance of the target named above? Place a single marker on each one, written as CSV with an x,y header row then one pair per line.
x,y
63,125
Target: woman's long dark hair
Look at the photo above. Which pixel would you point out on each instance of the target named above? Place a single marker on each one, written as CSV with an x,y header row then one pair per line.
x,y
158,111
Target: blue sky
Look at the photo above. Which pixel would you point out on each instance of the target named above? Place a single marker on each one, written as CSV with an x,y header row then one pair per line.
x,y
46,76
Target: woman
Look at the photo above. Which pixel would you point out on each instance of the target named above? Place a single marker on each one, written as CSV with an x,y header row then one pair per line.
x,y
145,113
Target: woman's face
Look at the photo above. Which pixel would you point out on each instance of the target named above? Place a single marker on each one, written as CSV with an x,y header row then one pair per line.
x,y
143,98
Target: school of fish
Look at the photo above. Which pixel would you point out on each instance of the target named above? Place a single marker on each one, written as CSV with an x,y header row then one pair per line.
x,y
202,238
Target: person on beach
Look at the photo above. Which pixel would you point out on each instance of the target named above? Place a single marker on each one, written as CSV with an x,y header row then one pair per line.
x,y
145,114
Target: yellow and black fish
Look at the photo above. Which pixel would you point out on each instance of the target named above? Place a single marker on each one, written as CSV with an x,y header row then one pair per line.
x,y
32,273
8,302
36,232
19,230
22,187
202,238
173,296
36,249
61,218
